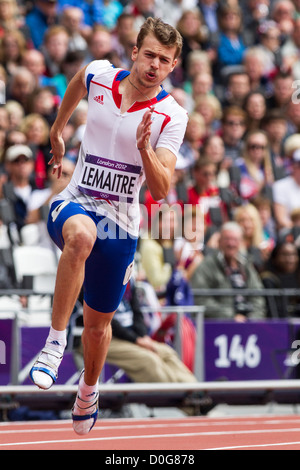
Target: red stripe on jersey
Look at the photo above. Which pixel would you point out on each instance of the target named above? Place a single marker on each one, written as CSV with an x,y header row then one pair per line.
x,y
100,84
166,120
115,92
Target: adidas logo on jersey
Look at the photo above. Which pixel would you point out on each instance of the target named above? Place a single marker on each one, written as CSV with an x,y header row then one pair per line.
x,y
99,99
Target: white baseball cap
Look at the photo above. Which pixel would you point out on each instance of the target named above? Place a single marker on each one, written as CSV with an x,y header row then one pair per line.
x,y
16,151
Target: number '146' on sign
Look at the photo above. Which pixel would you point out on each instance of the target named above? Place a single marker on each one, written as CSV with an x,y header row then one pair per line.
x,y
231,350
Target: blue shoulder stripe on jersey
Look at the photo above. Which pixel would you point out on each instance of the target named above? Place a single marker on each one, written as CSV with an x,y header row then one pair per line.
x,y
162,94
88,81
122,75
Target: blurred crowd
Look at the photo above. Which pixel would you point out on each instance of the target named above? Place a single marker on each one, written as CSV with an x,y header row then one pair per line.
x,y
238,77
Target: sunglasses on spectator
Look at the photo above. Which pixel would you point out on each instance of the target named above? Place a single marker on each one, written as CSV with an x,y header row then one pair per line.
x,y
256,147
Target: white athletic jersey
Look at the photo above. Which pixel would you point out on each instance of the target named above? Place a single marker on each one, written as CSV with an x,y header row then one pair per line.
x,y
109,171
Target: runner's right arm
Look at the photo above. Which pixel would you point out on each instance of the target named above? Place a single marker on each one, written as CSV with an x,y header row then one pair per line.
x,y
75,92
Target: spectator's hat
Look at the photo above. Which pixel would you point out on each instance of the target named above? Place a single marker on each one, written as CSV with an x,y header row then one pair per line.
x,y
15,151
296,156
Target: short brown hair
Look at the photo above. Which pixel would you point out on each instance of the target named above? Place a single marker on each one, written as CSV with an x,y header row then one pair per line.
x,y
164,33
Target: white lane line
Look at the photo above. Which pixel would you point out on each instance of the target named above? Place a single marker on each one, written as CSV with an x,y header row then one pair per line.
x,y
112,438
152,436
251,446
204,423
129,426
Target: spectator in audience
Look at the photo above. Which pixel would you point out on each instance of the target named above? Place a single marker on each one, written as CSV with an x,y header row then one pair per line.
x,y
275,125
157,250
190,26
290,49
232,131
291,143
255,165
21,86
40,18
12,19
19,167
282,12
292,234
269,43
171,10
36,129
238,87
202,85
123,37
92,12
255,13
100,44
227,269
286,194
282,272
213,150
209,9
190,249
210,108
72,20
254,64
12,47
264,207
112,9
193,139
34,61
231,45
71,64
55,47
204,190
256,107
197,62
255,245
182,98
293,114
12,137
141,10
283,88
15,114
44,103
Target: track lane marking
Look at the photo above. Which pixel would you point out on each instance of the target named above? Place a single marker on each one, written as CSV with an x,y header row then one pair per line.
x,y
151,436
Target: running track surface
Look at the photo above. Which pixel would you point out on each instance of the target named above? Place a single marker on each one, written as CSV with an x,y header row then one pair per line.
x,y
173,434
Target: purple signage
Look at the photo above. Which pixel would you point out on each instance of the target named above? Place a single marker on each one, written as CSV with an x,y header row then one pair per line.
x,y
6,329
262,350
247,351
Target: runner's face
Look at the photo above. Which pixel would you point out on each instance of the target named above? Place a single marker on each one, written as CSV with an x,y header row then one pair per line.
x,y
153,62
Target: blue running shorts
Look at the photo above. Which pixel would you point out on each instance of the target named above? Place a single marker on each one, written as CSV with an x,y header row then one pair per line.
x,y
110,264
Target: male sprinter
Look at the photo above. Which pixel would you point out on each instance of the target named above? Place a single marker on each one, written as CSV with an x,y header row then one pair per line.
x,y
134,131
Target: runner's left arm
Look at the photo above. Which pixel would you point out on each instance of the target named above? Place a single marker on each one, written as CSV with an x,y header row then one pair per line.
x,y
158,165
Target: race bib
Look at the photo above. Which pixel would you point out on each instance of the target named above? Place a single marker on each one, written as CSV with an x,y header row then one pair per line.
x,y
102,178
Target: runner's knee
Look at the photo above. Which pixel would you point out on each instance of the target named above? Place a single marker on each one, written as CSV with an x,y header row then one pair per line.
x,y
80,242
